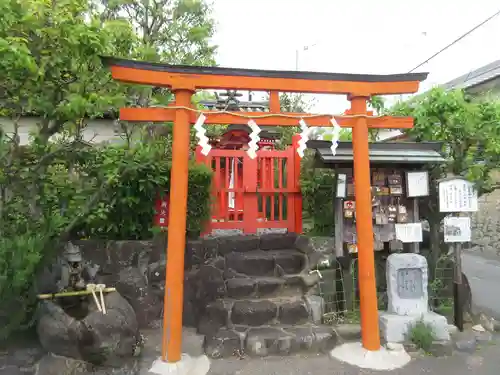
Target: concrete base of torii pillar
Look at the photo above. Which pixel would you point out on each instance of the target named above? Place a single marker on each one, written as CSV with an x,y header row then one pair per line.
x,y
390,358
186,366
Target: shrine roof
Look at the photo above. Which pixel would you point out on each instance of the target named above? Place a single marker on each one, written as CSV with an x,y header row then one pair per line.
x,y
214,70
380,153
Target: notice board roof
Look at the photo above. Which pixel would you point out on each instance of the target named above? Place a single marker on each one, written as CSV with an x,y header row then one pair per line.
x,y
416,153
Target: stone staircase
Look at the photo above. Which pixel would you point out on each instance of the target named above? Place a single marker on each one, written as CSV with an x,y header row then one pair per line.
x,y
262,302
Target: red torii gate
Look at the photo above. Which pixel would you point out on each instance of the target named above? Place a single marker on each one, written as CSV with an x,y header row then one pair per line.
x,y
185,80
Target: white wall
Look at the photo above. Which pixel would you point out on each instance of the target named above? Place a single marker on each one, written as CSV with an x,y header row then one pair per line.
x,y
96,131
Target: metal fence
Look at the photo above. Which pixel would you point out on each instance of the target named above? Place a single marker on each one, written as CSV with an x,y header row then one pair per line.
x,y
339,290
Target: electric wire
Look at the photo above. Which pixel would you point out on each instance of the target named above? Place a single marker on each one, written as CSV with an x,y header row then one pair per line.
x,y
456,40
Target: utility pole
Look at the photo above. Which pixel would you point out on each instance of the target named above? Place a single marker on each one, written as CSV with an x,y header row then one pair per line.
x,y
302,49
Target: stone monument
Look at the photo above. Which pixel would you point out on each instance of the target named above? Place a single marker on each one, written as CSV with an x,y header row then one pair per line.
x,y
407,283
73,326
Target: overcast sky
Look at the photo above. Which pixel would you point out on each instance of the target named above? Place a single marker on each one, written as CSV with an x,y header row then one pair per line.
x,y
356,36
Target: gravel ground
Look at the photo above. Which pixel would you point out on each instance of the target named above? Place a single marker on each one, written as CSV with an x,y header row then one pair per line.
x,y
483,362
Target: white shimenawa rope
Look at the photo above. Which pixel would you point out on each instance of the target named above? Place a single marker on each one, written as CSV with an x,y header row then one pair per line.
x,y
200,134
254,139
266,114
304,137
254,135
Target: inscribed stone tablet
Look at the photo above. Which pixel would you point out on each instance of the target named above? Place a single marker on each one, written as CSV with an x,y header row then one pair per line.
x,y
407,284
410,283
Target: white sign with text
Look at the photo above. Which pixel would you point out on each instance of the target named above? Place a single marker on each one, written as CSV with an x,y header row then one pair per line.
x,y
457,195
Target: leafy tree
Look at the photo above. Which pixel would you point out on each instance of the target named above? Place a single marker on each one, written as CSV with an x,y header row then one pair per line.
x,y
471,143
173,31
50,66
297,103
53,67
345,135
377,103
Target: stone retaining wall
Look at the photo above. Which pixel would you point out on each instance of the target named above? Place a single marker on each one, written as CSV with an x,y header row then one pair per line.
x,y
486,224
137,268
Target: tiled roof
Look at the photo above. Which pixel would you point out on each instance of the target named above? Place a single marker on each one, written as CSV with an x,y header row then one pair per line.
x,y
475,77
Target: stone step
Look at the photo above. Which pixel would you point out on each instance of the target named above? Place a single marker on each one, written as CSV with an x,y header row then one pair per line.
x,y
241,286
266,263
270,340
257,312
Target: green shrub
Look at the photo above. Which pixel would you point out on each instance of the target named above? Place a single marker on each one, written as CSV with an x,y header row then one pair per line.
x,y
20,258
318,189
422,335
126,209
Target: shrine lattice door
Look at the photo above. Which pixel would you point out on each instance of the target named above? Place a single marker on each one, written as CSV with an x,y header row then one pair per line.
x,y
252,195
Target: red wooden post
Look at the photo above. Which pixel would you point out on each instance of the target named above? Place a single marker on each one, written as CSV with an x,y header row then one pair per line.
x,y
174,280
250,202
296,173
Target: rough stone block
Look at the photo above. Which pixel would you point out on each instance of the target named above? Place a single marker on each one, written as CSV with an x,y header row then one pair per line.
x,y
395,328
290,261
195,253
101,339
253,313
348,332
325,338
268,286
207,326
158,246
253,263
294,285
210,282
237,243
132,286
262,342
240,287
224,344
303,244
218,312
294,312
303,338
219,263
210,247
317,308
277,241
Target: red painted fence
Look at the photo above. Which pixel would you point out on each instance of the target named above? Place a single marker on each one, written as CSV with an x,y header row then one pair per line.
x,y
253,194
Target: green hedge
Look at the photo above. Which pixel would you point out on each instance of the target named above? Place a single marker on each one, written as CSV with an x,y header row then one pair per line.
x,y
126,211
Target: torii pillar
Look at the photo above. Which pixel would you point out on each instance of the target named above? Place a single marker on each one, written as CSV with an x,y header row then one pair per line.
x,y
184,80
364,224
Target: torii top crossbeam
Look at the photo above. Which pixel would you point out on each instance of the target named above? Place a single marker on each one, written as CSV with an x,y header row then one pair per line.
x,y
262,80
185,80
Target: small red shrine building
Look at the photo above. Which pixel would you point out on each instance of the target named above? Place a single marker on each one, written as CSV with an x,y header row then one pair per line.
x,y
236,136
230,174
